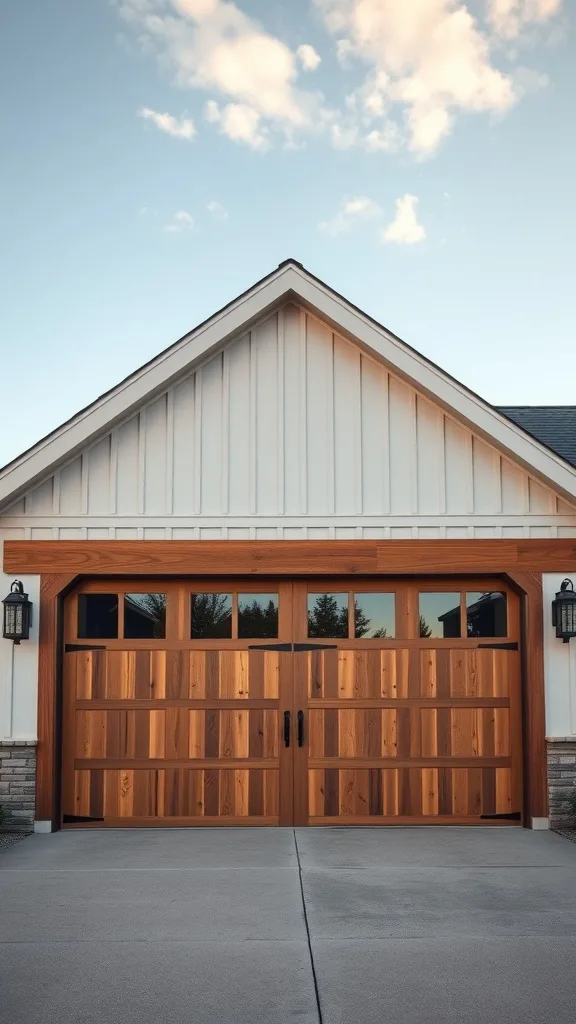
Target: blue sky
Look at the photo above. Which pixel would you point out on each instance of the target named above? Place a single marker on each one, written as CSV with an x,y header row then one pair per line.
x,y
292,130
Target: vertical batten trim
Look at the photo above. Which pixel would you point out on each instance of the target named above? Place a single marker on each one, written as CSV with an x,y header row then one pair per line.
x,y
469,478
141,460
280,504
169,502
113,474
197,470
55,494
253,426
84,471
442,466
387,459
525,490
358,462
414,458
303,404
331,434
498,483
225,498
444,462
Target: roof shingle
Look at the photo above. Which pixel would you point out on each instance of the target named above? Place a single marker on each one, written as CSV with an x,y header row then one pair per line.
x,y
552,425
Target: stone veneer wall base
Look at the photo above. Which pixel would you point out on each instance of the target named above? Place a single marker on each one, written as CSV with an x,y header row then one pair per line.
x,y
18,783
561,779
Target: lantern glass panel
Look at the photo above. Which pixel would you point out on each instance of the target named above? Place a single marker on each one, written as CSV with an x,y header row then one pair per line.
x,y
567,617
10,619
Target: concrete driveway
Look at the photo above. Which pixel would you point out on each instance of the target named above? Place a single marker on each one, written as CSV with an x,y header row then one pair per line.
x,y
258,926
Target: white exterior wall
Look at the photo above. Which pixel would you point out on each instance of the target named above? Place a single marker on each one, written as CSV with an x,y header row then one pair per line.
x,y
292,432
19,668
559,668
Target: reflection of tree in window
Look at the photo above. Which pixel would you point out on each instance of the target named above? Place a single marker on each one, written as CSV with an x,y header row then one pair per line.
x,y
256,619
145,616
425,629
327,617
211,616
362,624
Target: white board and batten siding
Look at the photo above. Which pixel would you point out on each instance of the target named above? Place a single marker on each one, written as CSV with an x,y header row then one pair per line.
x,y
290,432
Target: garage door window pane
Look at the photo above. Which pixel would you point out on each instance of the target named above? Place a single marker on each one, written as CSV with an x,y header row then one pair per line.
x,y
211,617
374,616
98,616
257,615
439,615
486,614
328,615
145,616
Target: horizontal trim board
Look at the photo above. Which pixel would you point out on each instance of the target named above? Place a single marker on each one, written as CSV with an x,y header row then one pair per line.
x,y
288,557
403,702
343,822
345,763
173,823
358,644
47,520
135,704
198,764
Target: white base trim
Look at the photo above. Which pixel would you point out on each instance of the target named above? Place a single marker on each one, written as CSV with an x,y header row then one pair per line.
x,y
540,824
43,826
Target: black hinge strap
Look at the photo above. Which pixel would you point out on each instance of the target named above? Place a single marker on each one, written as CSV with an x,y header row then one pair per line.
x,y
515,816
83,647
270,647
500,647
315,647
76,819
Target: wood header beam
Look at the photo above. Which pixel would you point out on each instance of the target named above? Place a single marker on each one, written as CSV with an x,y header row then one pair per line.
x,y
291,558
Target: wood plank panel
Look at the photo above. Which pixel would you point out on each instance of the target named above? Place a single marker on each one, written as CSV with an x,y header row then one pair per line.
x,y
159,735
442,742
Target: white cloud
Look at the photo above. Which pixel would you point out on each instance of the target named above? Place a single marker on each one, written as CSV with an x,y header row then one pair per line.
x,y
509,17
308,57
213,45
429,59
424,64
383,140
181,221
180,128
239,122
351,212
217,210
405,229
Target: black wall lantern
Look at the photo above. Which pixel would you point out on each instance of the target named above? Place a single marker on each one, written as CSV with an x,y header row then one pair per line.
x,y
17,614
564,611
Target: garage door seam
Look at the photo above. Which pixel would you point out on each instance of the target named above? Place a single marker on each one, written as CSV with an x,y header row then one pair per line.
x,y
307,926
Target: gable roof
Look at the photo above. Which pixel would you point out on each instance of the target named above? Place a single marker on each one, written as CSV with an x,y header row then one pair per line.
x,y
289,282
553,425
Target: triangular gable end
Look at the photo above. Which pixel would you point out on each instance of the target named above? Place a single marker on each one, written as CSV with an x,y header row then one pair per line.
x,y
292,423
323,412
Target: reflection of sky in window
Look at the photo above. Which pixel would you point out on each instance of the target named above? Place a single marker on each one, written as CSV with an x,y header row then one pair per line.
x,y
432,606
246,601
147,601
379,608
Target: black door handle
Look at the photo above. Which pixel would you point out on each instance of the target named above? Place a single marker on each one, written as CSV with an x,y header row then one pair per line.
x,y
286,728
300,728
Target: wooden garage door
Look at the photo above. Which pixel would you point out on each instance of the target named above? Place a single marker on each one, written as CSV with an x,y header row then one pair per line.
x,y
227,702
169,718
413,711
